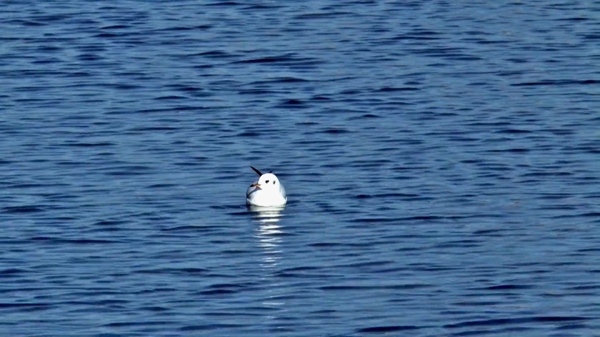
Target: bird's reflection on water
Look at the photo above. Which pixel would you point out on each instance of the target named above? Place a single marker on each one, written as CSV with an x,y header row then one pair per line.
x,y
269,232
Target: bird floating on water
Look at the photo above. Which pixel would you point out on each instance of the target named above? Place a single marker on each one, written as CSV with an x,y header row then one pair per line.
x,y
266,192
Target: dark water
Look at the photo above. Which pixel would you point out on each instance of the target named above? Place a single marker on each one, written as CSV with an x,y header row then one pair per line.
x,y
441,159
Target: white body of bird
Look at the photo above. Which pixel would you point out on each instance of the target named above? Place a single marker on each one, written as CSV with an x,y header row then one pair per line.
x,y
266,192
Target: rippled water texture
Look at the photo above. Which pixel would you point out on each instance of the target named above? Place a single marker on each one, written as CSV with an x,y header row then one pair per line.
x,y
441,161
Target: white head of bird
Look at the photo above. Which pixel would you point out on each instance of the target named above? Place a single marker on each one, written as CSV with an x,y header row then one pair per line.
x,y
267,181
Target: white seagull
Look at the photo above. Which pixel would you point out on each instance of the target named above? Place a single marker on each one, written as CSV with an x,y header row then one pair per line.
x,y
266,192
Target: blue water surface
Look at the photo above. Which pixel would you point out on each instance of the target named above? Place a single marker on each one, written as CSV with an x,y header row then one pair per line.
x,y
441,160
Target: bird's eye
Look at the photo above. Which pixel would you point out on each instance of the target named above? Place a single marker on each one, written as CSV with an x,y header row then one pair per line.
x,y
267,181
274,181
